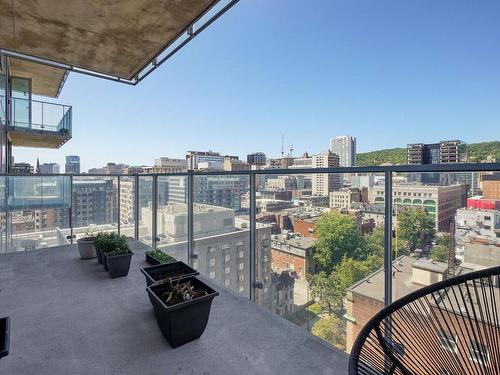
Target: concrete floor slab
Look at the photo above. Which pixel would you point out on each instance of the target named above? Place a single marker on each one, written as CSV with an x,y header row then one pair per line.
x,y
69,317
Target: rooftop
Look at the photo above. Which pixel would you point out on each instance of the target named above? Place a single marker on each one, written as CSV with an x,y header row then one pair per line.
x,y
69,317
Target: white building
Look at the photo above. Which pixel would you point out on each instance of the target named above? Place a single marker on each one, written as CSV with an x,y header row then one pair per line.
x,y
324,183
221,244
473,223
345,147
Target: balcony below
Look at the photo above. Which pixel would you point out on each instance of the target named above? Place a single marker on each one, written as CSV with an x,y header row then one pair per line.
x,y
39,124
69,317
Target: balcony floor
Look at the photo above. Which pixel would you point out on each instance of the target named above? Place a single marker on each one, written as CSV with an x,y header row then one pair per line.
x,y
69,317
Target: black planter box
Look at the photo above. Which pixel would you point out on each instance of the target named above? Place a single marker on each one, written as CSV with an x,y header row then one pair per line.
x,y
99,255
4,336
185,321
153,273
105,261
118,265
151,260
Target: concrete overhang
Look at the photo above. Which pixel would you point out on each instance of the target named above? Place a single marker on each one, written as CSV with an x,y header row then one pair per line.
x,y
114,38
45,80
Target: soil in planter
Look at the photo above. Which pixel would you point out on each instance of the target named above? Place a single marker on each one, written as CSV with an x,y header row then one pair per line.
x,y
165,276
182,291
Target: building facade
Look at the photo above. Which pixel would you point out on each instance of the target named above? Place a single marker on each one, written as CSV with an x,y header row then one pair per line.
x,y
324,183
345,148
72,165
440,202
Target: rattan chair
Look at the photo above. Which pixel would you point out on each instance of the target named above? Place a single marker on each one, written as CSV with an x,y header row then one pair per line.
x,y
449,328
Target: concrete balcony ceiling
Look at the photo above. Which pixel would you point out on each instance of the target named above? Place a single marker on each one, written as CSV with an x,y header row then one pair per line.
x,y
117,38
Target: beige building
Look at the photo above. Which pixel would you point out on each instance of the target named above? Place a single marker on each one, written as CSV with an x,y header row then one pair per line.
x,y
441,202
324,183
343,198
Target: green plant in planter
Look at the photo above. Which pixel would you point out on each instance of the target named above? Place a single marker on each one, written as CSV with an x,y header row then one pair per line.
x,y
108,243
160,256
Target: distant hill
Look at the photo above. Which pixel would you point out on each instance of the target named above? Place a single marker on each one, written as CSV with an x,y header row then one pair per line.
x,y
478,152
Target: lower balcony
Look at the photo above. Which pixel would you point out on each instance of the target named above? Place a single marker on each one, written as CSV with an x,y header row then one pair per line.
x,y
69,317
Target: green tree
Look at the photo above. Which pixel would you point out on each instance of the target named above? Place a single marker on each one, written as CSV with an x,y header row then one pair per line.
x,y
415,228
323,289
330,289
440,250
374,242
337,236
332,329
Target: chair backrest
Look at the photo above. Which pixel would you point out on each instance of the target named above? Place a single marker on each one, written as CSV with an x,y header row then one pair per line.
x,y
449,328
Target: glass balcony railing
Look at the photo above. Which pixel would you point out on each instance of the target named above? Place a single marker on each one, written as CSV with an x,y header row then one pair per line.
x,y
323,248
43,116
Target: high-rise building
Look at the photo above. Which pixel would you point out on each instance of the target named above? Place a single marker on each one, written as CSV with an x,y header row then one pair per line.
x,y
22,168
49,168
72,164
257,158
324,183
444,152
345,147
93,202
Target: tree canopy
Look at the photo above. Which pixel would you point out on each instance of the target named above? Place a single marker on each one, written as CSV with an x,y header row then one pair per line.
x,y
337,236
416,229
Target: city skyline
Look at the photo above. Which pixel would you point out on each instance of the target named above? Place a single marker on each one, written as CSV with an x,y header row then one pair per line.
x,y
436,78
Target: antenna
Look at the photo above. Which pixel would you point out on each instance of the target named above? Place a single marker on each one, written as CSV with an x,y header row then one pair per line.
x,y
282,145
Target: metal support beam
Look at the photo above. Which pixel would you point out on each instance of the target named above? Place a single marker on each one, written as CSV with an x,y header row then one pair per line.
x,y
136,207
190,208
253,237
154,198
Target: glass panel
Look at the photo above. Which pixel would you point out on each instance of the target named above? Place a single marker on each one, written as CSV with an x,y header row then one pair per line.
x,y
146,209
127,206
21,103
326,238
37,212
95,205
172,219
222,230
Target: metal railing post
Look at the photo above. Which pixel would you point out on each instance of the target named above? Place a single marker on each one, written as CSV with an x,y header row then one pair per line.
x,y
388,255
118,220
71,208
190,209
155,209
253,237
136,207
388,238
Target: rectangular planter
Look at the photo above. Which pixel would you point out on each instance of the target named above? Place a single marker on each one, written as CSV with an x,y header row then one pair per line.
x,y
161,271
185,321
118,265
104,261
98,252
4,336
151,260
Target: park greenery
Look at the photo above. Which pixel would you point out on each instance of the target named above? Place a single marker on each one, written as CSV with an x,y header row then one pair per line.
x,y
345,256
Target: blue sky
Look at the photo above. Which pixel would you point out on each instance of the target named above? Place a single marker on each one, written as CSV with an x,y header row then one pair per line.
x,y
387,72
